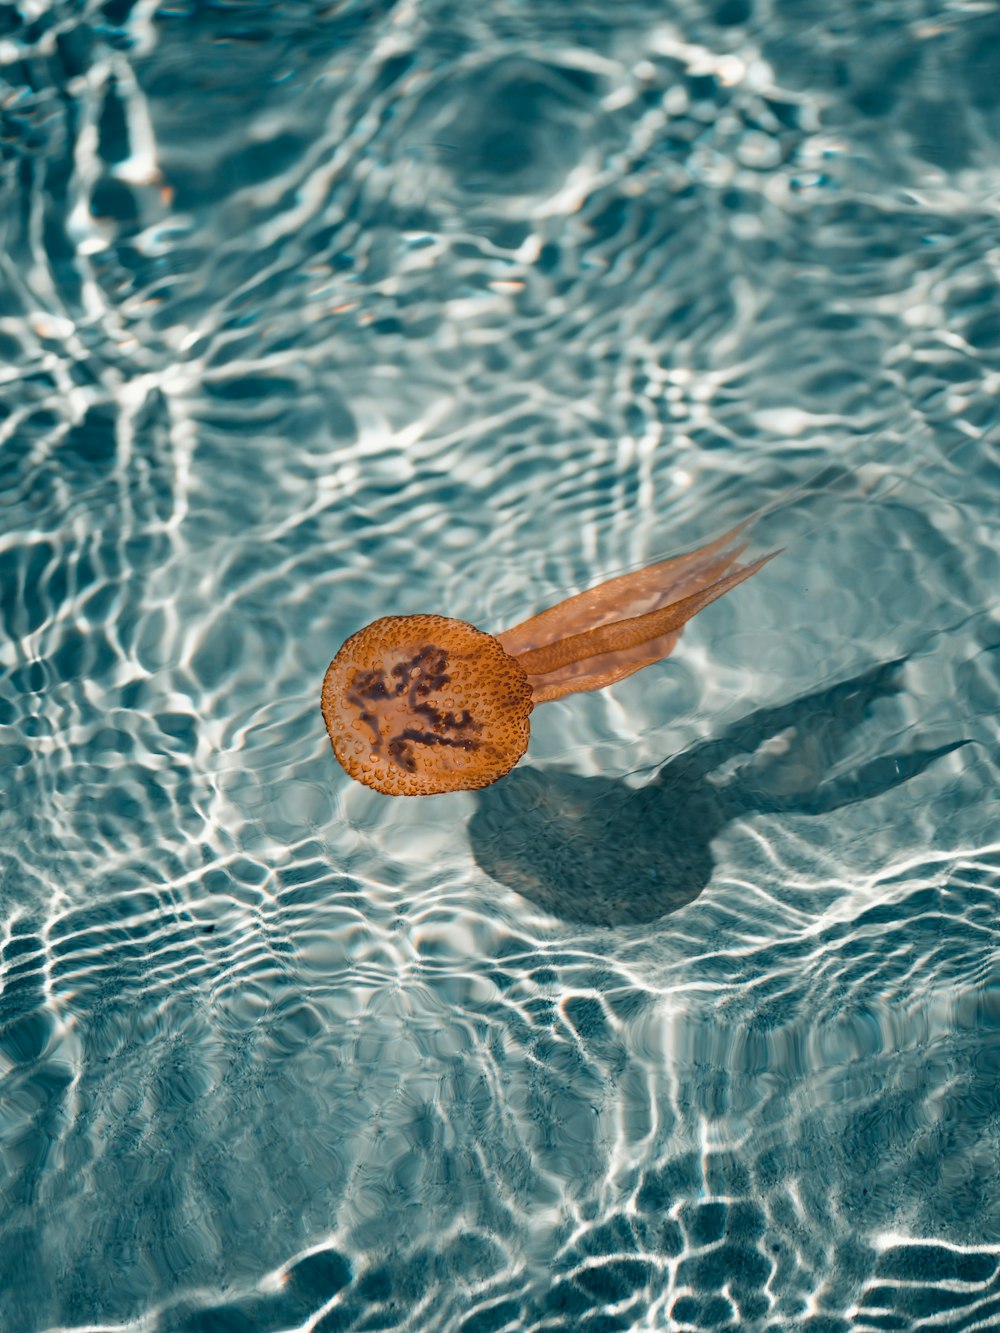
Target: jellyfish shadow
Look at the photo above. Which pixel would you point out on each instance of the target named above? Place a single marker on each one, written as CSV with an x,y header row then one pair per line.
x,y
597,851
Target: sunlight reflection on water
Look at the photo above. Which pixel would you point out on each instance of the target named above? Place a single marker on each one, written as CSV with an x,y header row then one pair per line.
x,y
313,315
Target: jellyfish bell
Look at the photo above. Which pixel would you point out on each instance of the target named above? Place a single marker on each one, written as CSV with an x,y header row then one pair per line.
x,y
422,704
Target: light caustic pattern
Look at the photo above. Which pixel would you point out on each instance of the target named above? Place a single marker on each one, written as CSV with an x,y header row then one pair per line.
x,y
311,315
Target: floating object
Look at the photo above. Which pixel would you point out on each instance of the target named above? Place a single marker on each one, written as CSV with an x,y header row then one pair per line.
x,y
422,704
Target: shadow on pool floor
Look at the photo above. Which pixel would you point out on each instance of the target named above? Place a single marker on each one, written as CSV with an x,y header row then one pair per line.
x,y
598,851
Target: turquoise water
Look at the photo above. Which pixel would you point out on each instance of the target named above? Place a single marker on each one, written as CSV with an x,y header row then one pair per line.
x,y
313,313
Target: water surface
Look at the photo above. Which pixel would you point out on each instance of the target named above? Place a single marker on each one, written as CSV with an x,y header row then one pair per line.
x,y
314,313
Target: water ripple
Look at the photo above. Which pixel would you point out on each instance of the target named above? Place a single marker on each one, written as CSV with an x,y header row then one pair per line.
x,y
310,314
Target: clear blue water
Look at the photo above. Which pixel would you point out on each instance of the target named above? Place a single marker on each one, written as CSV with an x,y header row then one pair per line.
x,y
311,313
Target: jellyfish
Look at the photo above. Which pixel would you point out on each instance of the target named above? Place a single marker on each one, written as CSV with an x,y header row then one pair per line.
x,y
422,704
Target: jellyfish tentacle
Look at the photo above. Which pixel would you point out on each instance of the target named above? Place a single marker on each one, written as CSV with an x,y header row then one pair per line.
x,y
631,640
630,594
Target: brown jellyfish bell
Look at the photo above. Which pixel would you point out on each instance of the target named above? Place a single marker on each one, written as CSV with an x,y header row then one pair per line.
x,y
422,704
